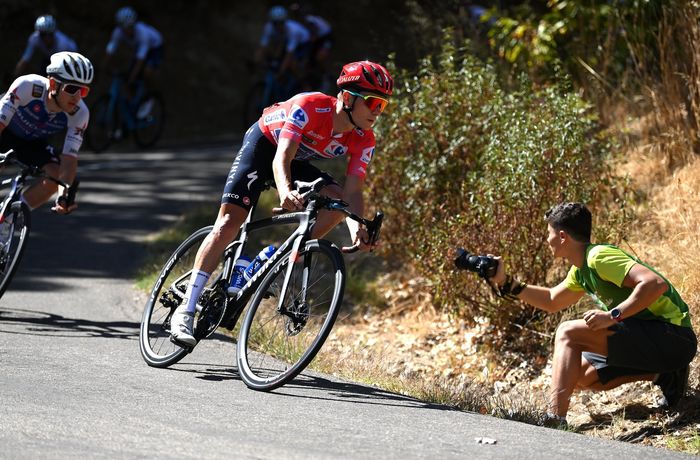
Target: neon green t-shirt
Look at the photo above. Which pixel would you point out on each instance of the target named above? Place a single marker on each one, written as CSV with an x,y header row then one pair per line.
x,y
602,276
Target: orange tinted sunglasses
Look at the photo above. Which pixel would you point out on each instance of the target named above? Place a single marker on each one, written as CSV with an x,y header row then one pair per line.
x,y
371,101
72,89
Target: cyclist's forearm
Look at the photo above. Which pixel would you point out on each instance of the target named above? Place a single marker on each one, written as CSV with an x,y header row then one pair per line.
x,y
356,204
281,165
68,170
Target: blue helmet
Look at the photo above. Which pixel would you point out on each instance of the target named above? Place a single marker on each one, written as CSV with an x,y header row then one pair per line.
x,y
45,24
125,16
277,13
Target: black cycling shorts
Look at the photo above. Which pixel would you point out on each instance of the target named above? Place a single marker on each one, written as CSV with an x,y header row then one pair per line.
x,y
36,152
251,171
640,347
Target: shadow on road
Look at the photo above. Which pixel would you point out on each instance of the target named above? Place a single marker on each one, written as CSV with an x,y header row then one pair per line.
x,y
42,323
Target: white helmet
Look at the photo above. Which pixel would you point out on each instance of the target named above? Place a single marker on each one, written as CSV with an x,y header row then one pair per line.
x,y
45,24
70,67
125,16
277,13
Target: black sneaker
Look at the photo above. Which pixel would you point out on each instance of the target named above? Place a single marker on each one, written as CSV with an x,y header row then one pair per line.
x,y
673,385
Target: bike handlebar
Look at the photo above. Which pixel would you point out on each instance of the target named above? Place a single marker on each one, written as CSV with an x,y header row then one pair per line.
x,y
35,171
310,191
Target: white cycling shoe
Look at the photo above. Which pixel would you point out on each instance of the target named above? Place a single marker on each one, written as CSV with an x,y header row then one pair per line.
x,y
181,328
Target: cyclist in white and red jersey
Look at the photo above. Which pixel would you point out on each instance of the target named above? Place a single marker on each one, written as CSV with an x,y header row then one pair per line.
x,y
279,146
145,40
294,38
35,108
44,41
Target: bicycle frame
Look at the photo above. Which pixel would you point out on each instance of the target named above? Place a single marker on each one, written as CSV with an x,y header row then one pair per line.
x,y
119,103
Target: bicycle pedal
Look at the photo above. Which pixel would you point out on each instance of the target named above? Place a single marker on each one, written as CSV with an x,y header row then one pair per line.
x,y
184,346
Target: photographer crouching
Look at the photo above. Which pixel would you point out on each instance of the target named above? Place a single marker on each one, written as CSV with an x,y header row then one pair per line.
x,y
642,330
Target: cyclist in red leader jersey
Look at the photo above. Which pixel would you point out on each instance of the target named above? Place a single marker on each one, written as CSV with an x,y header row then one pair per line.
x,y
279,146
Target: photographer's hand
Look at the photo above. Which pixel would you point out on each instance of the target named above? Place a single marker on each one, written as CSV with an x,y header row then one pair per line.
x,y
598,319
500,276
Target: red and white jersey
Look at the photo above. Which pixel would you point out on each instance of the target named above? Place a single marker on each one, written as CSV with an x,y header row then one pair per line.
x,y
307,118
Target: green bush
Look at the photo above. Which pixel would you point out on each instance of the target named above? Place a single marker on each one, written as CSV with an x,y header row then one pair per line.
x,y
463,161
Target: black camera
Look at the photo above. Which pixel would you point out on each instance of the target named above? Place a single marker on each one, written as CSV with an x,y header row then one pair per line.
x,y
484,266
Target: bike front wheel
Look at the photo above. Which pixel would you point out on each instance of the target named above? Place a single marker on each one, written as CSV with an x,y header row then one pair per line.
x,y
14,232
278,339
167,294
150,120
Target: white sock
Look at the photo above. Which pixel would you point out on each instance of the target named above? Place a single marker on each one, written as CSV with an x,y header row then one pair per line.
x,y
198,279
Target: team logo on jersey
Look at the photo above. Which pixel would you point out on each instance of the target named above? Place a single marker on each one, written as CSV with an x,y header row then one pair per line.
x,y
367,155
298,117
79,131
323,109
313,134
13,97
37,90
335,149
253,177
274,117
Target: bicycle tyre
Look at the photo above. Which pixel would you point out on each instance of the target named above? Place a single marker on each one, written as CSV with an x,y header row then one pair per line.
x,y
274,348
17,224
149,128
102,125
169,288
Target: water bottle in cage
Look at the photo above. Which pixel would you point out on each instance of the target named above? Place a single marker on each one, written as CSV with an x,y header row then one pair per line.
x,y
237,277
259,261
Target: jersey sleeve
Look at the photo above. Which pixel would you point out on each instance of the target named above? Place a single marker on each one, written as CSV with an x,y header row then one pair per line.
x,y
267,33
31,46
75,129
141,35
297,120
610,263
12,99
360,157
571,282
114,41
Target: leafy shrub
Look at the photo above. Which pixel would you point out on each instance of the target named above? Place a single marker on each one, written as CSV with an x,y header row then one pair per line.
x,y
465,162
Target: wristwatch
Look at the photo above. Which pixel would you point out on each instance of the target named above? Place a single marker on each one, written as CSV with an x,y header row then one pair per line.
x,y
616,314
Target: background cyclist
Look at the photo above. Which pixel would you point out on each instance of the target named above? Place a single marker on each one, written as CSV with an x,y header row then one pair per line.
x,y
321,42
285,41
279,146
36,107
42,43
147,44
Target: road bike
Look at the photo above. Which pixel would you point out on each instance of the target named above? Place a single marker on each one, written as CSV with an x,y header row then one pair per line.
x,y
116,114
15,216
292,300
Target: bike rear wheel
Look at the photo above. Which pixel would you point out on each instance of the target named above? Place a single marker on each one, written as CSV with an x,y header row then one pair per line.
x,y
275,346
101,128
167,294
150,120
14,232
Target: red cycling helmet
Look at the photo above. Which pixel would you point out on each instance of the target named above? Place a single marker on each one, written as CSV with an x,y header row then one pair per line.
x,y
366,76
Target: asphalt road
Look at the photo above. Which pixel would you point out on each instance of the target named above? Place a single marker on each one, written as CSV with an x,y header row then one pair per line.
x,y
73,384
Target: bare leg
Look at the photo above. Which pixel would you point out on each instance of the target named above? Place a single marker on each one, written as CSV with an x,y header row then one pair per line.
x,y
572,338
40,192
226,227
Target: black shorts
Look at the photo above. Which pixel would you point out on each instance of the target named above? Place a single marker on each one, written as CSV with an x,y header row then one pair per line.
x,y
251,171
35,152
640,347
